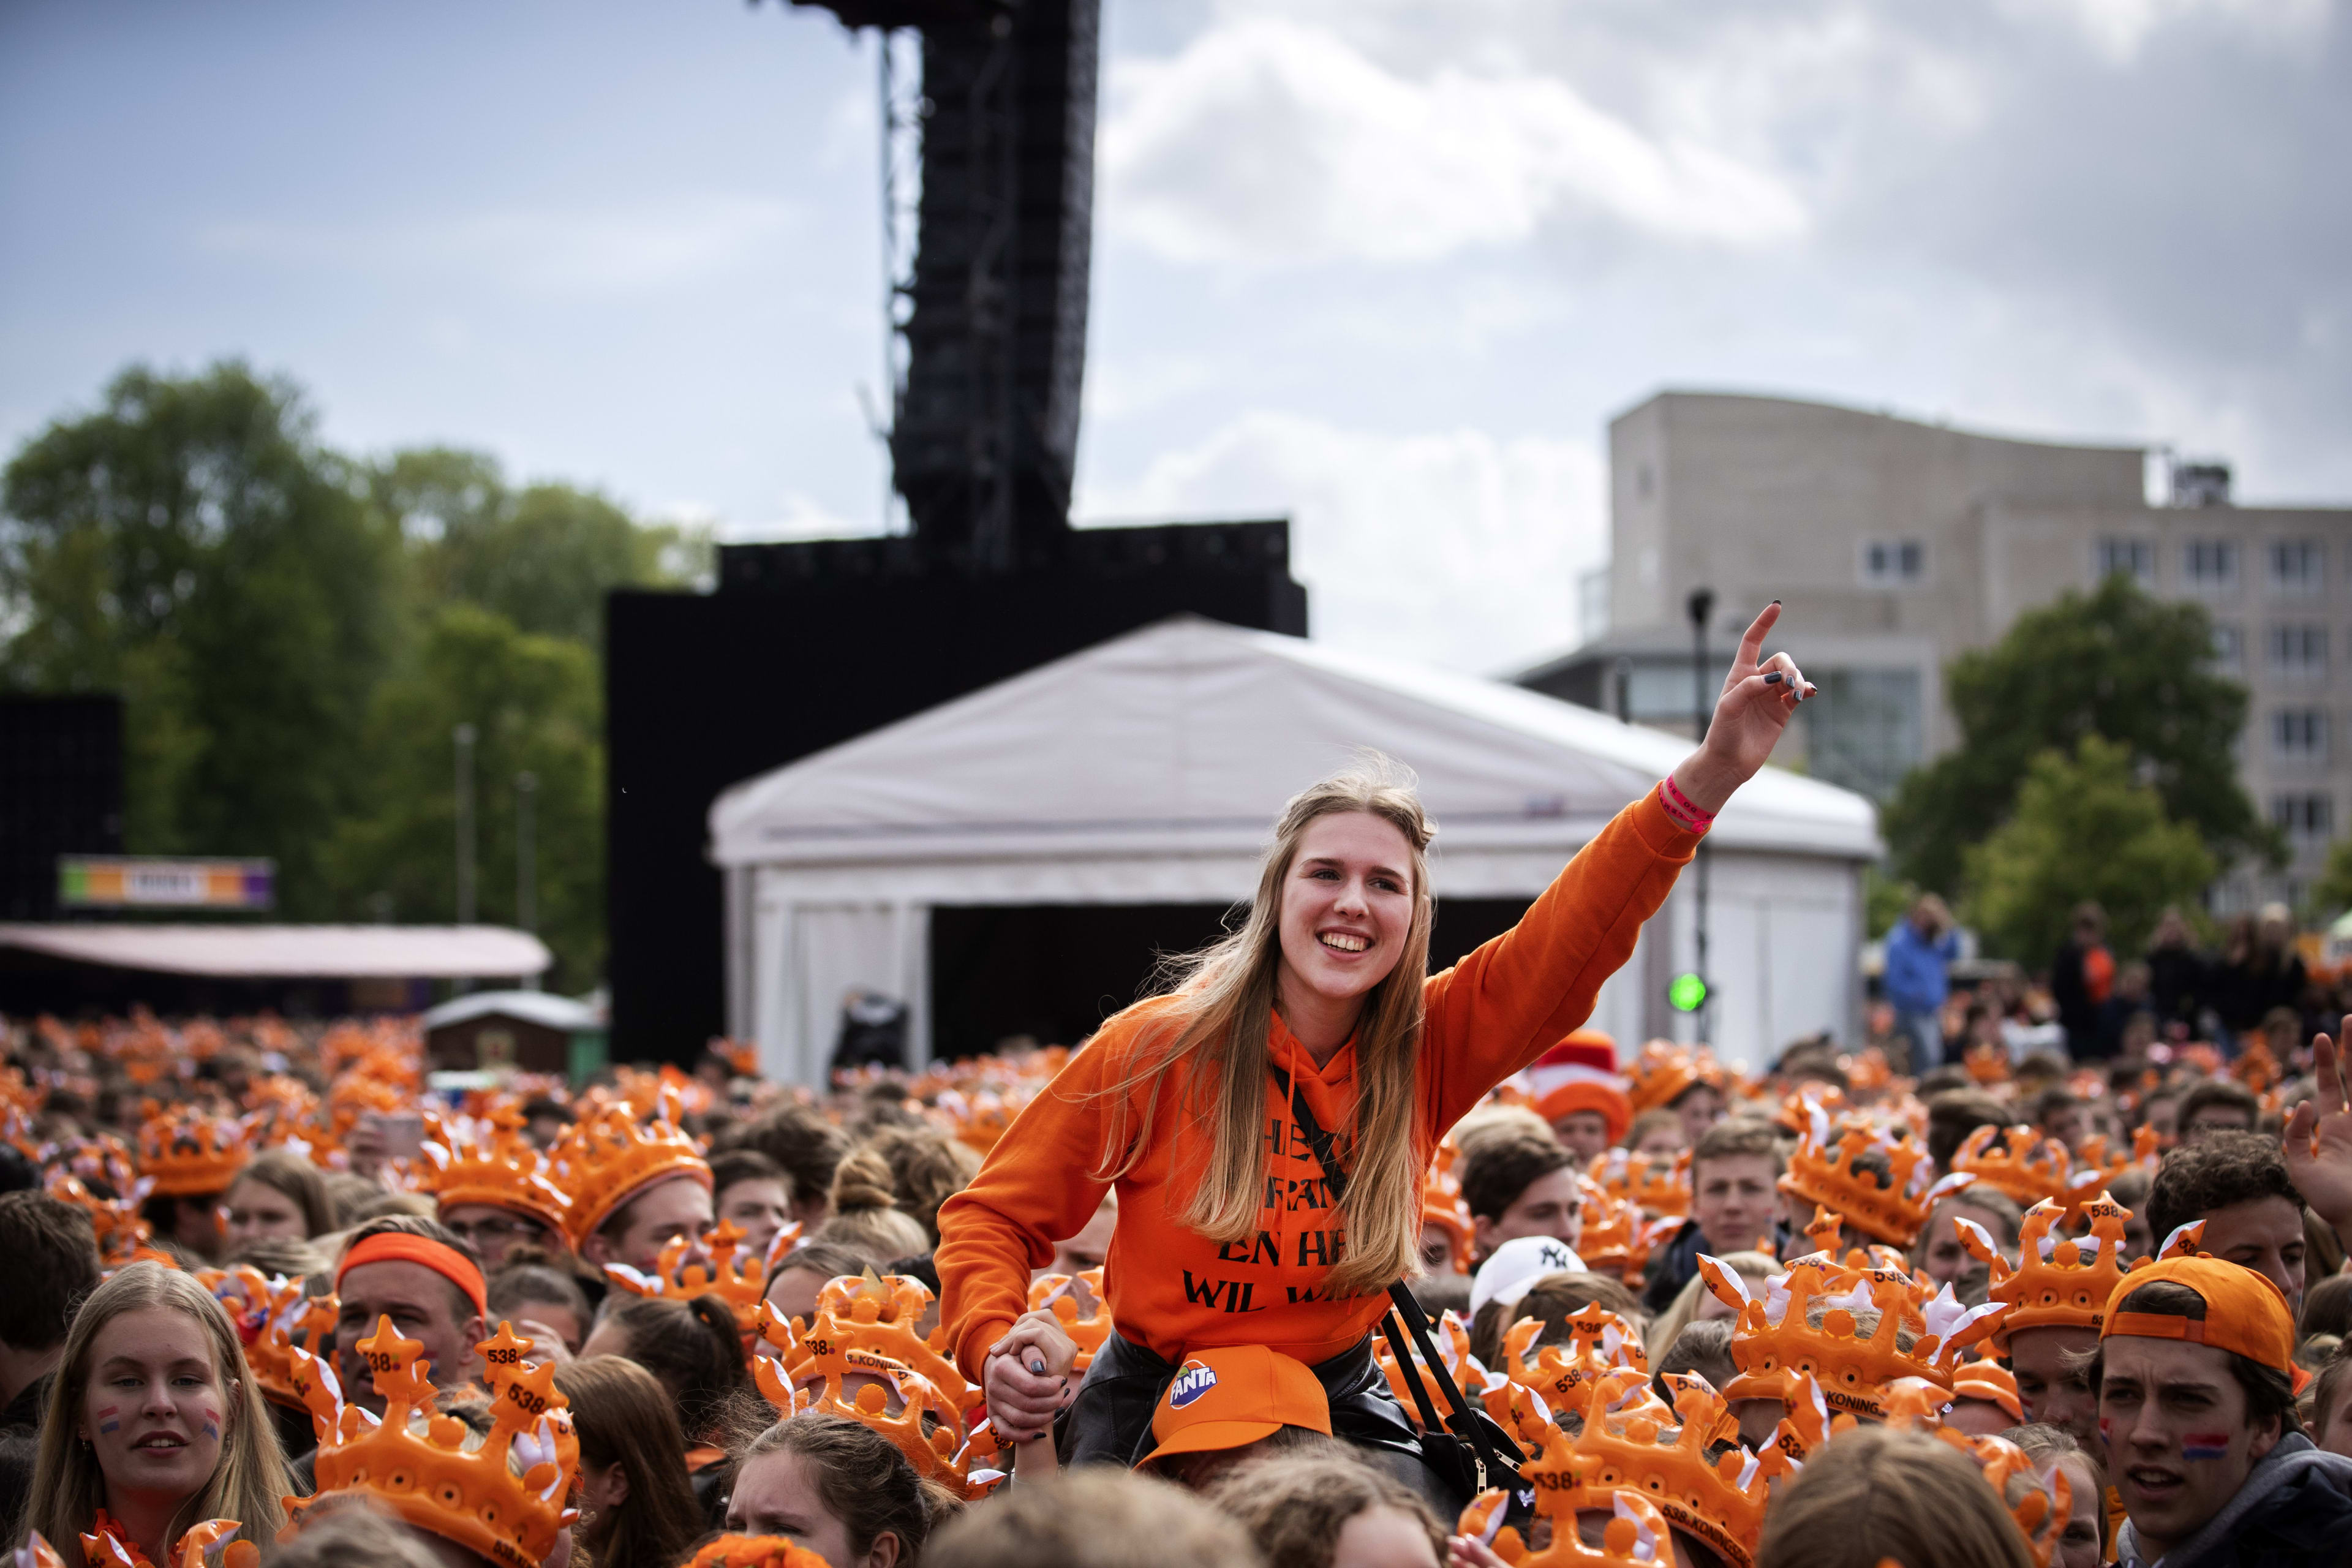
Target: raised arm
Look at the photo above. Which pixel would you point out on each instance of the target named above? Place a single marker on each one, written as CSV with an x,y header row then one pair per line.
x,y
1510,1001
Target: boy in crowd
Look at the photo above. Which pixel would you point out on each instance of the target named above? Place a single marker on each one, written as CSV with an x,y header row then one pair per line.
x,y
2218,1105
1735,1172
2195,1401
2238,1183
1522,1184
52,1252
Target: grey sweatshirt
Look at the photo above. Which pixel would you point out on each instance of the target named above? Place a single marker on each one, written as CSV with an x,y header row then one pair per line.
x,y
2296,1461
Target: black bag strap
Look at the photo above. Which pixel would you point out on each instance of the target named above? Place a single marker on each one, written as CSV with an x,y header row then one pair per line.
x,y
1406,1308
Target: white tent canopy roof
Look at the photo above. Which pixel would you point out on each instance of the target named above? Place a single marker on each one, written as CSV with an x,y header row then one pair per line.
x,y
1185,737
338,952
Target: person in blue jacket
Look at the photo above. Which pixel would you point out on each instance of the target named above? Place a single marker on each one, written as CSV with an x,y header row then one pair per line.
x,y
1919,953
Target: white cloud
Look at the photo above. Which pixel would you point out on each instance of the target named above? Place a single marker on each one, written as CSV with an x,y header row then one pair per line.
x,y
578,253
1453,547
2116,29
1267,140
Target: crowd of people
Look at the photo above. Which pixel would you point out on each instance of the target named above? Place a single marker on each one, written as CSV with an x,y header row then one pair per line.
x,y
2070,1316
1316,1259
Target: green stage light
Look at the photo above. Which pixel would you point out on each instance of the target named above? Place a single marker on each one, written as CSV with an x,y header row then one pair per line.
x,y
1689,994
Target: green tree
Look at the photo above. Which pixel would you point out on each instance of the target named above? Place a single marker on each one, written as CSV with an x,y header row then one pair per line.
x,y
2084,828
2117,664
191,546
544,557
2331,894
536,706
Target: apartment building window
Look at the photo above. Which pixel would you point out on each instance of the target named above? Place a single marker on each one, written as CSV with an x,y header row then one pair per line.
x,y
2209,564
2298,565
2135,558
1894,563
2299,652
2300,734
2229,647
1864,729
2305,820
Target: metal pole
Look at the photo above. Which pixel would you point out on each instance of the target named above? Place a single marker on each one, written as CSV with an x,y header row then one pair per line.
x,y
526,851
1702,604
463,735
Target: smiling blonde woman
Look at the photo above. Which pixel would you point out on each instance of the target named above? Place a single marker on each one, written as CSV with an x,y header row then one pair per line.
x,y
1189,1104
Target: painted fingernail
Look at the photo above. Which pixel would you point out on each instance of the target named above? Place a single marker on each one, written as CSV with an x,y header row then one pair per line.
x,y
1776,601
1773,679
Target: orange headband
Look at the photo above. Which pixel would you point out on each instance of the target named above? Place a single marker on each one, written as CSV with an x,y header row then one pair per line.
x,y
398,1246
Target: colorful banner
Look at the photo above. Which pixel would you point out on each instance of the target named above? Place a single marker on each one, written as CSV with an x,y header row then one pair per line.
x,y
140,881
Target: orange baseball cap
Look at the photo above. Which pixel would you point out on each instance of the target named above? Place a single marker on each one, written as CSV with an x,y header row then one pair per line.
x,y
1991,1382
2245,1311
1233,1395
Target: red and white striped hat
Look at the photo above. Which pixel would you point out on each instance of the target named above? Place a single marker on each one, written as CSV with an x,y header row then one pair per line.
x,y
1580,1074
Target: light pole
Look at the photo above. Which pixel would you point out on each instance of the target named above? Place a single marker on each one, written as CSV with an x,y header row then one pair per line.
x,y
464,736
526,786
1702,605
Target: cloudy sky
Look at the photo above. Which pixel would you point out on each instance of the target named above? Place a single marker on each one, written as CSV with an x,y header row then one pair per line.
x,y
1387,266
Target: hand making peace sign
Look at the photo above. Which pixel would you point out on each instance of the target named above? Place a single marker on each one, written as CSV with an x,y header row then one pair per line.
x,y
1757,700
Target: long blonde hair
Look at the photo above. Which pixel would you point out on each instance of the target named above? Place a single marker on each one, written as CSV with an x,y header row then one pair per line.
x,y
1219,1033
248,1482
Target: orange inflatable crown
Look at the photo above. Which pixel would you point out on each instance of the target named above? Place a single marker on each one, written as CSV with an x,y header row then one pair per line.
x,y
733,1273
296,1322
1825,1171
1599,1341
754,1551
1776,1347
606,1158
2025,1167
186,1154
500,1495
498,1166
1657,1187
1721,1502
1664,1071
1636,1536
2055,1284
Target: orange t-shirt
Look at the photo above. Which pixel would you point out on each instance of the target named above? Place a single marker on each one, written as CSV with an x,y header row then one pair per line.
x,y
1169,1288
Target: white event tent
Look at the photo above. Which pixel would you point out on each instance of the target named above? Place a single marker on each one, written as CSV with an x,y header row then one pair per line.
x,y
1149,770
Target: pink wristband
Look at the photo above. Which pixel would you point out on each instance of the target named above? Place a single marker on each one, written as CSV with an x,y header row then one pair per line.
x,y
1678,806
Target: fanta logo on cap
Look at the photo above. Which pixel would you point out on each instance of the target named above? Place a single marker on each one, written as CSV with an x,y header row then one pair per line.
x,y
1194,1379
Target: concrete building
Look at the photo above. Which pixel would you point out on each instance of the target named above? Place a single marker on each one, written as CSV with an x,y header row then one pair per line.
x,y
1896,544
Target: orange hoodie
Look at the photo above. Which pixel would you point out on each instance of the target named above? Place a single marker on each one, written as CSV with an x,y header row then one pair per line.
x,y
1169,1287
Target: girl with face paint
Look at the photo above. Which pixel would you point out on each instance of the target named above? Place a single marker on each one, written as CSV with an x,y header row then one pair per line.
x,y
155,1424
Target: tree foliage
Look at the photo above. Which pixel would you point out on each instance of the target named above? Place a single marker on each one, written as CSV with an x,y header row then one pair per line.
x,y
295,634
2115,663
2083,827
190,546
536,706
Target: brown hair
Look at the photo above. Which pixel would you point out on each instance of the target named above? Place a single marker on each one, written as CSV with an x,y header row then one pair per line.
x,y
1878,1492
292,1177
1645,1123
801,1140
287,1255
519,1285
2327,1388
829,1258
346,1533
2217,1170
866,1212
1552,1301
732,1165
1094,1517
1739,1137
1219,1032
623,1415
862,1479
248,1479
1295,1507
693,1348
52,1252
927,1168
2221,1091
1952,1116
1499,1170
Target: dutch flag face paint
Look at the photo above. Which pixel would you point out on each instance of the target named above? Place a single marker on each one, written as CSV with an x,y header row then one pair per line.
x,y
2205,1446
109,1419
